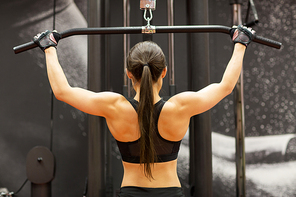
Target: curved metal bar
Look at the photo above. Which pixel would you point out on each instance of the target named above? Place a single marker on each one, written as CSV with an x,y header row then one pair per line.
x,y
159,29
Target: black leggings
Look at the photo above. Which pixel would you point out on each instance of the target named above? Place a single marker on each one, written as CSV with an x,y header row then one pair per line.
x,y
131,191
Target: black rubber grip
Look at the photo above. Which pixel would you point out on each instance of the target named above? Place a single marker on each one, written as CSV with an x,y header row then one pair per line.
x,y
267,42
159,29
24,47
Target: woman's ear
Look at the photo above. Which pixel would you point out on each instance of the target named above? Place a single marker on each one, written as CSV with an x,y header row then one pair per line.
x,y
164,72
129,74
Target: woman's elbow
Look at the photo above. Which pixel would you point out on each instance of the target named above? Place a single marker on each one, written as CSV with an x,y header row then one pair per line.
x,y
229,91
228,88
59,94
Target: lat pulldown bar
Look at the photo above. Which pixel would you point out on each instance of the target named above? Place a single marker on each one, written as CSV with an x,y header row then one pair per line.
x,y
158,29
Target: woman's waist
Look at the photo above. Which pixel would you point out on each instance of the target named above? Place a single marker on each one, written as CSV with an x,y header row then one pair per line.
x,y
163,175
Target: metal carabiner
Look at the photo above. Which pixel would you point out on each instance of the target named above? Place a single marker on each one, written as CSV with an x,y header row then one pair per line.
x,y
148,19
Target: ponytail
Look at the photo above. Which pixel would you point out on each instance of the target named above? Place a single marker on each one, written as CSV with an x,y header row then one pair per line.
x,y
146,122
146,62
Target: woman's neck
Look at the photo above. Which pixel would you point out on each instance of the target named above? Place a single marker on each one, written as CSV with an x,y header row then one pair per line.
x,y
155,92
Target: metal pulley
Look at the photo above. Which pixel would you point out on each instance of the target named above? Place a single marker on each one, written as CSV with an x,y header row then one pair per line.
x,y
147,4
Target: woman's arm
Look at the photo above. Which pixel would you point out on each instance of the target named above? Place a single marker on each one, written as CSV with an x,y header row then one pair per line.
x,y
100,104
193,103
58,81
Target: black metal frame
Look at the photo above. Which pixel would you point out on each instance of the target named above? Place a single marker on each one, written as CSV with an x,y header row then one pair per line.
x,y
239,115
158,29
256,18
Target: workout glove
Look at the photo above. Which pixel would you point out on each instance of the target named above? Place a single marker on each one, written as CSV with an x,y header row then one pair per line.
x,y
47,39
242,34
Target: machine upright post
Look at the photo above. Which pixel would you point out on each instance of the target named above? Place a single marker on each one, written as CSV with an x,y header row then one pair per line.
x,y
126,47
200,125
171,69
239,116
96,82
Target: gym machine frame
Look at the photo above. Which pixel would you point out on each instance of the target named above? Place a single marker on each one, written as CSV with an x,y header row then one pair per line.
x,y
239,102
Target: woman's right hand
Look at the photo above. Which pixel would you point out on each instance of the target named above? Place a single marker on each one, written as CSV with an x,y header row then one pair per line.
x,y
47,39
242,34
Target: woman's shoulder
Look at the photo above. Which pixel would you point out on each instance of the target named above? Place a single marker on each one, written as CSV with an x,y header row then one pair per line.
x,y
180,99
180,105
109,104
113,97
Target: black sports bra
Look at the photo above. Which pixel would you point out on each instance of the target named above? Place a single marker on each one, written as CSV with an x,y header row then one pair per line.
x,y
165,150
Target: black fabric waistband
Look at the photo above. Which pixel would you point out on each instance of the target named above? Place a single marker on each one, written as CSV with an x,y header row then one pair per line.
x,y
132,191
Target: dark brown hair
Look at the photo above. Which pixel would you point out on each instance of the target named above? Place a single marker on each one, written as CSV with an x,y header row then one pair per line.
x,y
146,62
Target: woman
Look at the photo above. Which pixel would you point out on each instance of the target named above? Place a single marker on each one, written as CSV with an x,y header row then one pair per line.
x,y
147,137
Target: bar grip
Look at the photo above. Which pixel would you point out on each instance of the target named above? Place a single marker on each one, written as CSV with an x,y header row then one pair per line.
x,y
24,47
267,42
159,29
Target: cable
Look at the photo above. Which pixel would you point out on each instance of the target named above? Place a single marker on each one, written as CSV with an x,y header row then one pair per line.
x,y
51,93
21,187
54,13
85,187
